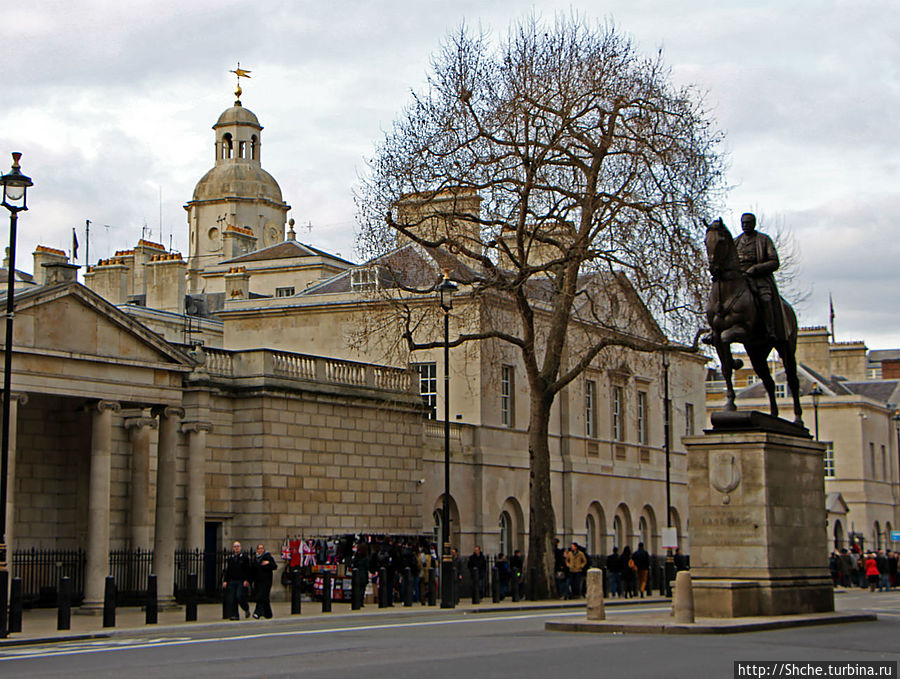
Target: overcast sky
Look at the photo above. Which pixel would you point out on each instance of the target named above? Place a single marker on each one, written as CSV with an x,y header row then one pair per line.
x,y
112,104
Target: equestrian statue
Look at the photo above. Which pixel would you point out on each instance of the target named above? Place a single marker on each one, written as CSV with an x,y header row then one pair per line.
x,y
744,306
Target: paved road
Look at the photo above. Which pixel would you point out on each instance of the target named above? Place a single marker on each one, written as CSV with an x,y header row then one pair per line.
x,y
439,644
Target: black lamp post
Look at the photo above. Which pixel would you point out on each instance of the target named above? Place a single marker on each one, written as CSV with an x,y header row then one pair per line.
x,y
15,187
446,290
667,420
816,394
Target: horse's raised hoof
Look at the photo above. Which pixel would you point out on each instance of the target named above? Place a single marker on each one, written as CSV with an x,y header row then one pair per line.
x,y
708,339
737,364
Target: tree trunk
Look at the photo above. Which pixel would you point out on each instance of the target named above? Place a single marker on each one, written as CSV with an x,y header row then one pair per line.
x,y
541,523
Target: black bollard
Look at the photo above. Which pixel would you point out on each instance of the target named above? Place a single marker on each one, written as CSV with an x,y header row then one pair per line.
x,y
605,581
190,604
109,602
326,592
64,604
476,586
227,603
432,587
152,606
515,580
382,588
532,581
355,590
495,585
407,587
296,594
15,605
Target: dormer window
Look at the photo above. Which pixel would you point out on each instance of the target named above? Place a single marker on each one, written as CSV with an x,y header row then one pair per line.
x,y
364,279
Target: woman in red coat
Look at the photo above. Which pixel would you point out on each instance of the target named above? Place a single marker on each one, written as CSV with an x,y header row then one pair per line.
x,y
871,571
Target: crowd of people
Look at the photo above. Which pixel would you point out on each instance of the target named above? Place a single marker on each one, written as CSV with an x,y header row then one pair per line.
x,y
628,572
853,567
374,557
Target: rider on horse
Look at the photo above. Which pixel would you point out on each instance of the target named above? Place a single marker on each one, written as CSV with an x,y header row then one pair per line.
x,y
759,261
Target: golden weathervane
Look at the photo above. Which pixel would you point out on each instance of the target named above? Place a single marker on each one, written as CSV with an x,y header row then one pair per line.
x,y
240,73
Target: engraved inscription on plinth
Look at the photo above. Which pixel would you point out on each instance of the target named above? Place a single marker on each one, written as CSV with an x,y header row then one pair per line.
x,y
757,513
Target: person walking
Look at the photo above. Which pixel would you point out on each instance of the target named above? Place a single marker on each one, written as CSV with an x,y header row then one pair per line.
x,y
263,569
871,571
614,571
236,580
478,569
642,562
575,562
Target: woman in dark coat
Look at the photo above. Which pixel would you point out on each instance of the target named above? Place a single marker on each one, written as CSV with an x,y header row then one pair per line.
x,y
629,574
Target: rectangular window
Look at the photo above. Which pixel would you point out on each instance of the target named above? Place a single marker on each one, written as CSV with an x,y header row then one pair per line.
x,y
590,408
364,279
618,413
428,387
688,419
781,390
884,469
507,395
643,425
829,459
284,292
872,458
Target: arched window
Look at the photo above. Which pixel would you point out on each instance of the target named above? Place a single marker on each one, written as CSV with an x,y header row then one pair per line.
x,y
590,542
643,532
506,536
877,529
618,532
438,528
227,146
253,148
242,149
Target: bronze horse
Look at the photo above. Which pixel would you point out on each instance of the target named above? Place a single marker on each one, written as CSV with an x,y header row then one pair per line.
x,y
734,316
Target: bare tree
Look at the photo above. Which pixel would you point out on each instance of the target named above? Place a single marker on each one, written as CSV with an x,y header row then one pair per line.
x,y
563,180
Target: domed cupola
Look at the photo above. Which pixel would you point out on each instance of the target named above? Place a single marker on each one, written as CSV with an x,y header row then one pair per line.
x,y
237,206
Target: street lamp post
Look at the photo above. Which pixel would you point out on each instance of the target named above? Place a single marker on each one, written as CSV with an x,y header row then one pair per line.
x,y
15,187
446,290
670,559
816,394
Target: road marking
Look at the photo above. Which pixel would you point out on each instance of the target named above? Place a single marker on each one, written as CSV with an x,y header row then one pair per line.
x,y
140,644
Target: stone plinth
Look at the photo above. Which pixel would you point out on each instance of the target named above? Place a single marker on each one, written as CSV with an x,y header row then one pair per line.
x,y
757,515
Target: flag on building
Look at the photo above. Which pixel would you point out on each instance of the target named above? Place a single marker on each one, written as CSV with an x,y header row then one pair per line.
x,y
74,244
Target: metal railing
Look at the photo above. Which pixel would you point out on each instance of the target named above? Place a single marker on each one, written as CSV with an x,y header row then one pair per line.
x,y
41,569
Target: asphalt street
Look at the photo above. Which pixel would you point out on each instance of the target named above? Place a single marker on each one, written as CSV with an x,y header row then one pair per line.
x,y
435,643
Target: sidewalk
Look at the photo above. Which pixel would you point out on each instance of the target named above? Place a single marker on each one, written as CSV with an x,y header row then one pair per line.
x,y
39,625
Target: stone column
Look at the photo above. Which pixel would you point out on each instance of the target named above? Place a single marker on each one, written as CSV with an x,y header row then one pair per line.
x,y
164,533
196,486
140,480
98,506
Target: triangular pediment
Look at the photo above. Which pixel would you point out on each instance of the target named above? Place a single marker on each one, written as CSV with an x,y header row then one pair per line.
x,y
70,318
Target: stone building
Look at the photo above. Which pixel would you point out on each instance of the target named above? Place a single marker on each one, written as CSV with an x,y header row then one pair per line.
x,y
227,396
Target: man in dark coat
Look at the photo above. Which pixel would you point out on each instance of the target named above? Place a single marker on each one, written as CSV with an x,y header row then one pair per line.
x,y
478,569
614,570
263,568
236,580
642,560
